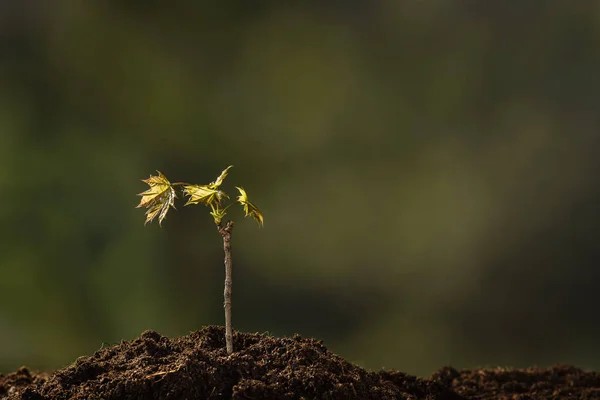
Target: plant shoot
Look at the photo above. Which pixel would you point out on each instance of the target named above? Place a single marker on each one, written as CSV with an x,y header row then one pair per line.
x,y
161,197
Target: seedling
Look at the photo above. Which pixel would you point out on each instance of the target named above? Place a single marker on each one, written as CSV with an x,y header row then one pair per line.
x,y
161,197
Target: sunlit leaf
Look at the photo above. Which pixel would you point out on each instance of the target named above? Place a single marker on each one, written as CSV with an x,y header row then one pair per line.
x,y
203,194
249,209
161,195
220,178
158,199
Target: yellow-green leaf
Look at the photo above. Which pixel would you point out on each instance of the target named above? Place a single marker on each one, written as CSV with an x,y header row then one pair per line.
x,y
158,199
220,178
203,194
249,209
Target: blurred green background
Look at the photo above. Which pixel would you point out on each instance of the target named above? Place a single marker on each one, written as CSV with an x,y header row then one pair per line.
x,y
428,172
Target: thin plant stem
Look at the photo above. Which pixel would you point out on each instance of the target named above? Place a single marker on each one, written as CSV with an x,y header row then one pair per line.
x,y
226,234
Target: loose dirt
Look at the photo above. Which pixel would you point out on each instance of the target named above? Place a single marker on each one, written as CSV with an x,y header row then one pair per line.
x,y
197,366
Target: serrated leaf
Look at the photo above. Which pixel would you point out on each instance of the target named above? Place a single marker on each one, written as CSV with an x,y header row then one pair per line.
x,y
203,194
158,199
220,178
249,209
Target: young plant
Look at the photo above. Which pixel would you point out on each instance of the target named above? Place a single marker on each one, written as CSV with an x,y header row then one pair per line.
x,y
161,196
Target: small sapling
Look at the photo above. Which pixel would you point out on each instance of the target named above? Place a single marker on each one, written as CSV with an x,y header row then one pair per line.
x,y
161,196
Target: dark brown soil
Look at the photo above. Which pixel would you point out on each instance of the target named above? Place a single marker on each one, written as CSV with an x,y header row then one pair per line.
x,y
263,367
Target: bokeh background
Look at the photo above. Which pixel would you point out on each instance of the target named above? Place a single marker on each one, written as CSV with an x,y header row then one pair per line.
x,y
428,172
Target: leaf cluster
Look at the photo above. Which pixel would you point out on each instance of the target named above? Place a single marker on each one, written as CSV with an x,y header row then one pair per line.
x,y
161,195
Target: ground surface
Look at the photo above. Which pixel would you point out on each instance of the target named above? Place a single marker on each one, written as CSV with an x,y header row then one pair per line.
x,y
263,367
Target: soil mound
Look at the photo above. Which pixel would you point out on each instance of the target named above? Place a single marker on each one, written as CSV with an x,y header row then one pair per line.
x,y
562,382
197,366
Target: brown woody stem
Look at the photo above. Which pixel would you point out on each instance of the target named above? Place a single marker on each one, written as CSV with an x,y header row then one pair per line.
x,y
226,234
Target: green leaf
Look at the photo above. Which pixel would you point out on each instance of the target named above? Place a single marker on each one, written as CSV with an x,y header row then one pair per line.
x,y
158,199
203,194
220,178
209,194
249,209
